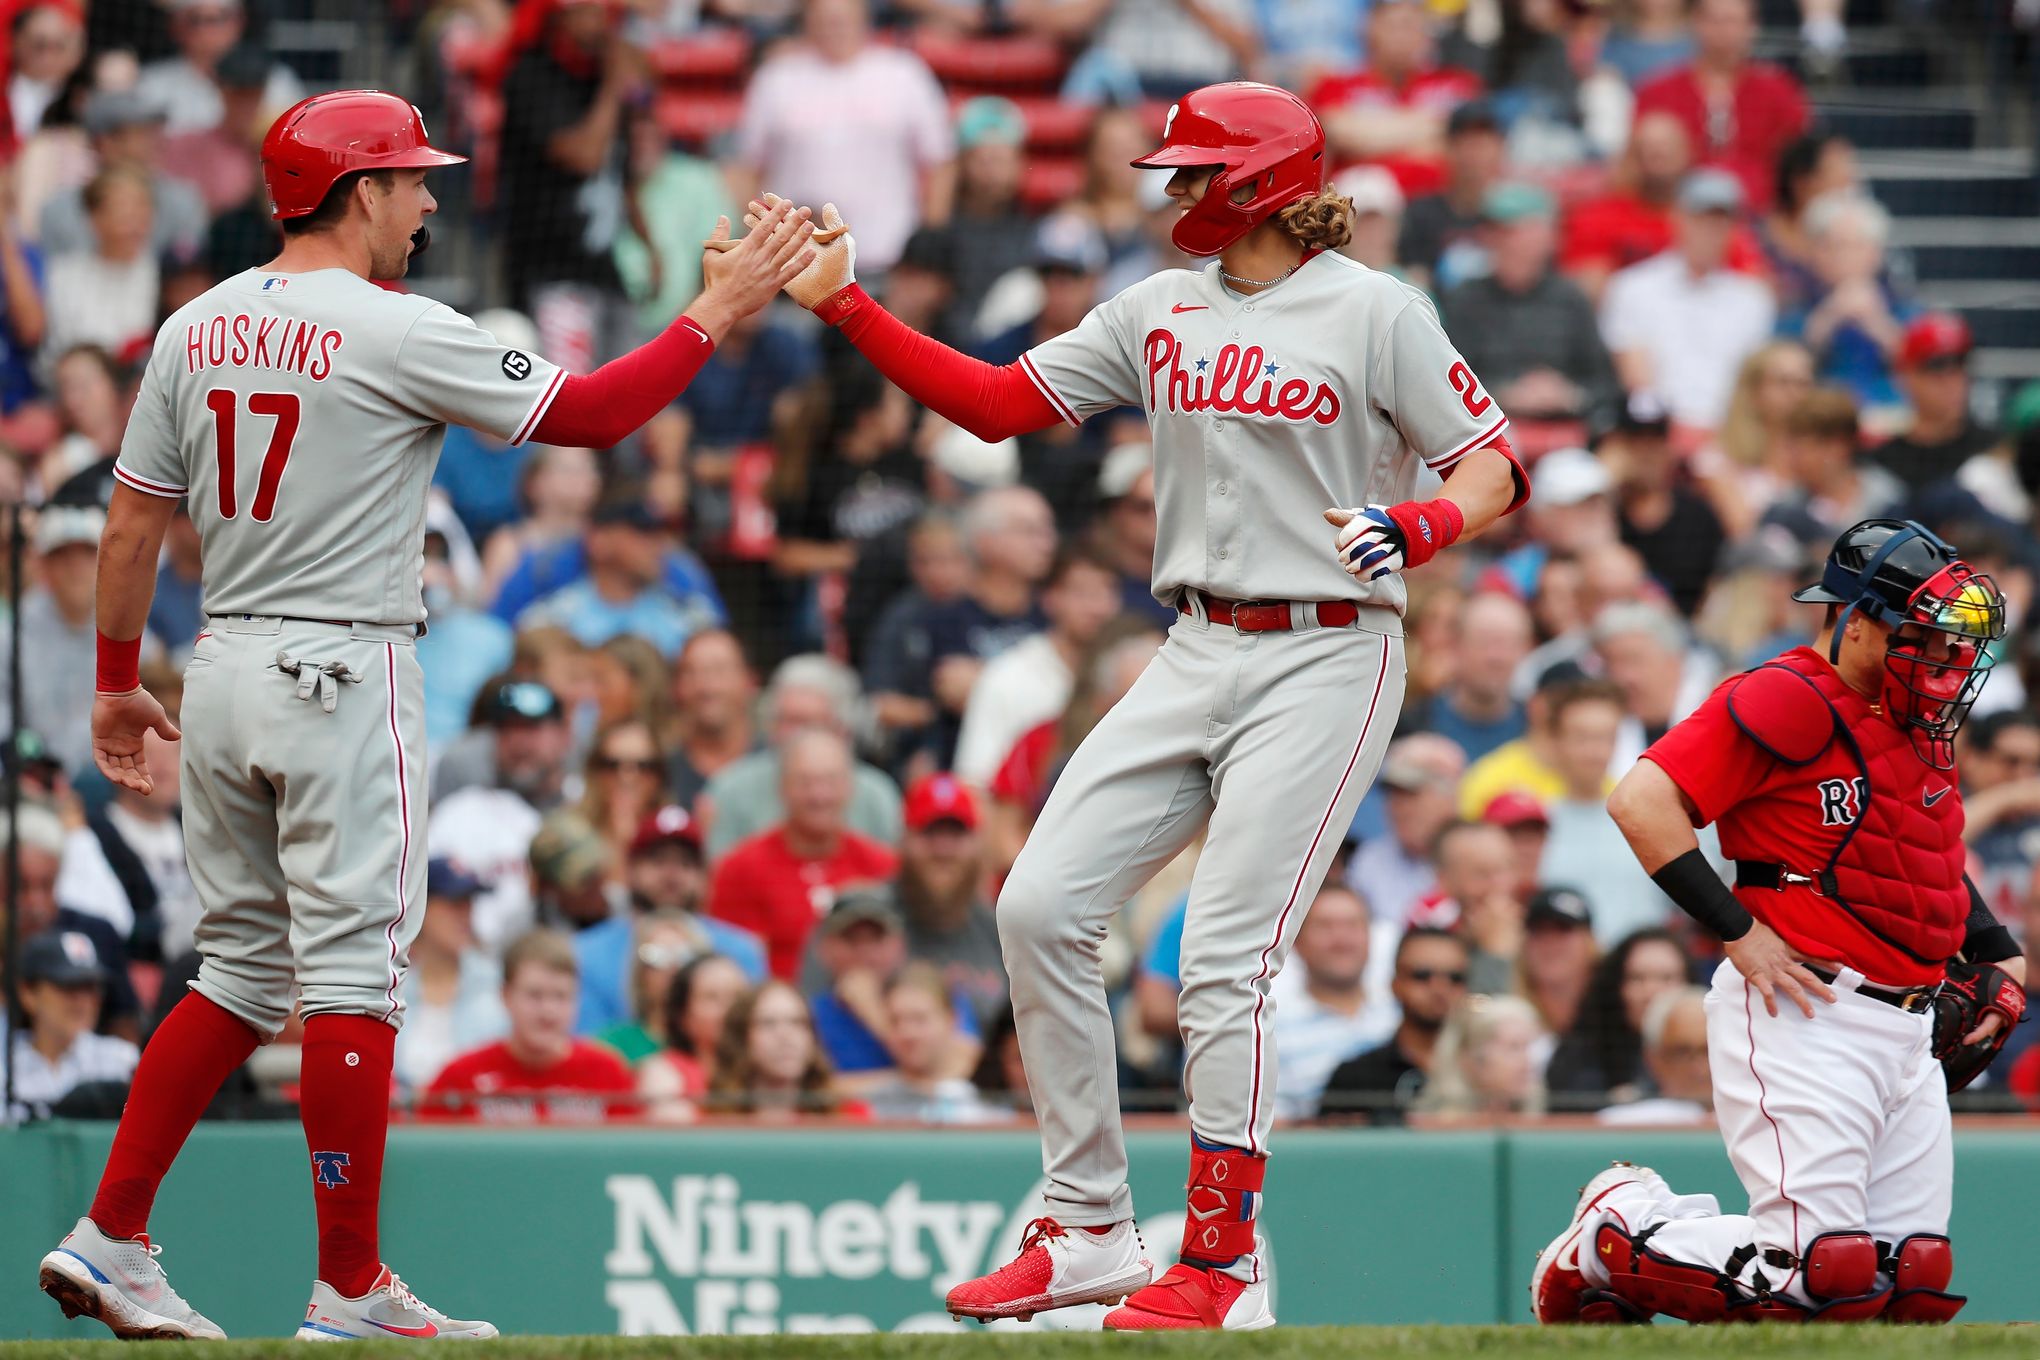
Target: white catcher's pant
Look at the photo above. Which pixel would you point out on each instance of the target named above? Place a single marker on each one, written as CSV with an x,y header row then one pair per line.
x,y
1834,1124
1271,737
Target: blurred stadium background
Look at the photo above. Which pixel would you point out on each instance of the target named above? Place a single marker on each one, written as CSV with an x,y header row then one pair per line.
x,y
736,727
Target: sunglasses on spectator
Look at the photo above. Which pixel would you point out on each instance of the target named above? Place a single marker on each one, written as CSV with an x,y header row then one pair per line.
x,y
611,764
1455,976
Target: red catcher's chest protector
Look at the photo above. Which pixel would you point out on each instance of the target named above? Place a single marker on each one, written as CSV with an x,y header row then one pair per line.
x,y
1898,867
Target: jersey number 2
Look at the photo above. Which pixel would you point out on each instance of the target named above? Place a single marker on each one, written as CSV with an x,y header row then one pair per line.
x,y
282,407
1468,387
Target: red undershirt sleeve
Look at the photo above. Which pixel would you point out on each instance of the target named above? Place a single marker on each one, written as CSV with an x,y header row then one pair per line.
x,y
993,402
601,409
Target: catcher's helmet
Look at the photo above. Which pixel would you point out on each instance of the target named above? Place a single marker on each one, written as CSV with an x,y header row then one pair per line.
x,y
330,135
1944,616
1259,137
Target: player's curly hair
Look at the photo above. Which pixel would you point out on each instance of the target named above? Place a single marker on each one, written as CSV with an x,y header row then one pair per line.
x,y
1324,220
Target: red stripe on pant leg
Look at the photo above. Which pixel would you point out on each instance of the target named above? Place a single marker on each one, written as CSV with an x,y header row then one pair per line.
x,y
1252,1144
1750,1026
404,813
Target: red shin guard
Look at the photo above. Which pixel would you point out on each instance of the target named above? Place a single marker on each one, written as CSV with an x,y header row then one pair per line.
x,y
1224,1196
346,1110
192,1052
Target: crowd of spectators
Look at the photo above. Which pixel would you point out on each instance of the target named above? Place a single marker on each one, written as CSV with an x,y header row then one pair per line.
x,y
735,729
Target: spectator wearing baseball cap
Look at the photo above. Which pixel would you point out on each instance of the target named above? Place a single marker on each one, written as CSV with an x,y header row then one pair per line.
x,y
988,234
126,129
1558,956
1528,825
940,892
1419,777
63,982
56,618
1439,245
1679,323
1671,526
638,582
666,878
1932,370
485,825
453,992
1524,327
858,949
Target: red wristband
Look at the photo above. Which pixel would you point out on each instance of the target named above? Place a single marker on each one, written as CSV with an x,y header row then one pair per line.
x,y
842,304
1427,528
120,665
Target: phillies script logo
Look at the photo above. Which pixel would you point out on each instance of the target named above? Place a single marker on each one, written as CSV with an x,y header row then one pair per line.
x,y
1240,381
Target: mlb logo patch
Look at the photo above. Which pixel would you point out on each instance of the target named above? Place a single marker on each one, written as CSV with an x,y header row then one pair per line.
x,y
275,285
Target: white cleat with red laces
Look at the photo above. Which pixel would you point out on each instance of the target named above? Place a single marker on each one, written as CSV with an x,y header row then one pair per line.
x,y
1057,1267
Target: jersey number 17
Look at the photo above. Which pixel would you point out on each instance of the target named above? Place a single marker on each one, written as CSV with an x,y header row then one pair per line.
x,y
283,410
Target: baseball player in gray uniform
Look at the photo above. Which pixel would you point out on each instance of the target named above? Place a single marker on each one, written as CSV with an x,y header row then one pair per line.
x,y
300,408
1287,386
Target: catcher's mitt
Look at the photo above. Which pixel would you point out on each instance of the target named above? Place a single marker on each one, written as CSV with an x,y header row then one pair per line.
x,y
1972,991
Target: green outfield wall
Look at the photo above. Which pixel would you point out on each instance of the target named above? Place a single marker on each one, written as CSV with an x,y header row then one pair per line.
x,y
738,1230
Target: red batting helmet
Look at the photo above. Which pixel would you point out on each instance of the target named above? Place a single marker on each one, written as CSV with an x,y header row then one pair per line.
x,y
1257,136
330,135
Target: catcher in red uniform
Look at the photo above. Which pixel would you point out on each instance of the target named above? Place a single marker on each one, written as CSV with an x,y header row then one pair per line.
x,y
1828,773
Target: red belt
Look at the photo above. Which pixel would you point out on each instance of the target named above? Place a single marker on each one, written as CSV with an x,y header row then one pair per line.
x,y
1270,616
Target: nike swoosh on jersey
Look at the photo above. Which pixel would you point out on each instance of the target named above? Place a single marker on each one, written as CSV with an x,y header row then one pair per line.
x,y
1179,307
1932,798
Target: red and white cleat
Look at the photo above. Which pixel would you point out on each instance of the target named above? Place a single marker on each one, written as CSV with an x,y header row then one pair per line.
x,y
1190,1297
1057,1267
1556,1285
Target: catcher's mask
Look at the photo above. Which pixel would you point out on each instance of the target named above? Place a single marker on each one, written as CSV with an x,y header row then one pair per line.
x,y
1943,616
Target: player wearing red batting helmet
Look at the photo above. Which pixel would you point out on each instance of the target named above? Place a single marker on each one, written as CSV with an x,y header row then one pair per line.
x,y
298,410
1279,378
1266,150
1826,771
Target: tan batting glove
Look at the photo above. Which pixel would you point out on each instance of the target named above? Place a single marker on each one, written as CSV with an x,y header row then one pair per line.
x,y
835,262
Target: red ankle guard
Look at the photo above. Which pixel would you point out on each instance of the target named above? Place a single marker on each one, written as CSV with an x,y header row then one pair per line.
x,y
1224,1195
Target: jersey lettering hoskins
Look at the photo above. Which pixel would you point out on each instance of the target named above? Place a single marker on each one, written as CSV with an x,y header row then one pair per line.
x,y
1231,387
276,343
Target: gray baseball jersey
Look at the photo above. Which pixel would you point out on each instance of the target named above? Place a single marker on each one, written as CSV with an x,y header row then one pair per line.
x,y
1324,390
303,414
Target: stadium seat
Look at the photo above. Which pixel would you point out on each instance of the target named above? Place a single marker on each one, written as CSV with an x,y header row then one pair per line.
x,y
713,57
1053,125
1007,65
696,117
1049,180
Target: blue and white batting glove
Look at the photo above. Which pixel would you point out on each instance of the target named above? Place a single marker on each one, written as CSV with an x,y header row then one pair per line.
x,y
1371,545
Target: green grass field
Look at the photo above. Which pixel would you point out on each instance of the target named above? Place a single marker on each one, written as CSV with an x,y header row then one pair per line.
x,y
1295,1343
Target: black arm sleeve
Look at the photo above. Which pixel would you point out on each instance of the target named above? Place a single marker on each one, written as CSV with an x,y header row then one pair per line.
x,y
1691,881
1984,940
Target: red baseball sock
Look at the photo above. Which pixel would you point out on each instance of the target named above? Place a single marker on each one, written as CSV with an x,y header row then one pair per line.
x,y
345,1105
196,1048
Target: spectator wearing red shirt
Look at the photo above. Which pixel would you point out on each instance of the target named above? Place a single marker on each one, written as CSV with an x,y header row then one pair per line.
x,y
1393,110
541,1073
779,883
1633,220
1739,112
